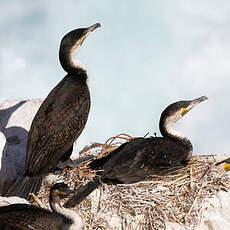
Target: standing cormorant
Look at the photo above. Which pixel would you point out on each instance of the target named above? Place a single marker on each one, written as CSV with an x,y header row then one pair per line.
x,y
141,157
25,216
60,119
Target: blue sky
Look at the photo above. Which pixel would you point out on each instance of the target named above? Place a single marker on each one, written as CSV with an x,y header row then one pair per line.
x,y
146,55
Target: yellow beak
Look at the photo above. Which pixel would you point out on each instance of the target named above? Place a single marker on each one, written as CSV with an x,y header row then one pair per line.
x,y
226,167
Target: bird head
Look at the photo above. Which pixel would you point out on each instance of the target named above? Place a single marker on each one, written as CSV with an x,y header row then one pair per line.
x,y
177,110
174,112
61,190
70,44
74,39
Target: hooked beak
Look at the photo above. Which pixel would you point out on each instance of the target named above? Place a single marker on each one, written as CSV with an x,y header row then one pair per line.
x,y
193,103
198,100
66,193
88,31
91,29
69,191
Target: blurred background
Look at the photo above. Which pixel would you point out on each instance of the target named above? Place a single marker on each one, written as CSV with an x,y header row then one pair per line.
x,y
146,55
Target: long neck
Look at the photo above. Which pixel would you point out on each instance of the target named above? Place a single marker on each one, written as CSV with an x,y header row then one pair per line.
x,y
55,204
167,130
68,63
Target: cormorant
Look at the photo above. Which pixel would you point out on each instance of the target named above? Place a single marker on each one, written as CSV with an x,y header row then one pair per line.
x,y
25,216
60,119
226,164
141,157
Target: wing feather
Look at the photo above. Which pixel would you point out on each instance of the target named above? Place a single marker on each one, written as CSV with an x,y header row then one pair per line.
x,y
57,124
27,217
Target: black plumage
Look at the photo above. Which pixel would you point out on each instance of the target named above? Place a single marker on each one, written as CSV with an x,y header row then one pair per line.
x,y
25,216
60,119
22,215
141,157
57,124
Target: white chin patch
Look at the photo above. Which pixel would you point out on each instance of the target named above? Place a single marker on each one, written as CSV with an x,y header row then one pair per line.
x,y
78,64
169,122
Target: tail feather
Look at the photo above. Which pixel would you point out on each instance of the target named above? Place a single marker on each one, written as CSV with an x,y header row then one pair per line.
x,y
82,193
24,186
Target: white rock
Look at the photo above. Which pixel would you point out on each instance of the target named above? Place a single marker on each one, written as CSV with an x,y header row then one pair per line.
x,y
15,120
4,201
174,226
217,216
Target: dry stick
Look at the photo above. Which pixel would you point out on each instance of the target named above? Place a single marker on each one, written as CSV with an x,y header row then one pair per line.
x,y
126,137
171,199
192,186
173,182
107,146
119,136
89,147
105,151
36,199
194,202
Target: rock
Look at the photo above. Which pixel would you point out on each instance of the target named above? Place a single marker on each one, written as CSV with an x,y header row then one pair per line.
x,y
15,119
217,216
4,201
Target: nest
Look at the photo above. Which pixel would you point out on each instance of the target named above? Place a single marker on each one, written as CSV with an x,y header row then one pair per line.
x,y
181,196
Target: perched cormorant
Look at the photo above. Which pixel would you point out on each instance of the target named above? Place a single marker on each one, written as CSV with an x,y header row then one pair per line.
x,y
141,157
226,164
25,216
60,119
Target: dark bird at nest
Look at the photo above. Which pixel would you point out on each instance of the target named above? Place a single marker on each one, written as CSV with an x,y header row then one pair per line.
x,y
25,216
60,119
141,157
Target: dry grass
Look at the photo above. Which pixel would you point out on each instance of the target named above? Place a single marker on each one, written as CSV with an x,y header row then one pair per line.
x,y
181,196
